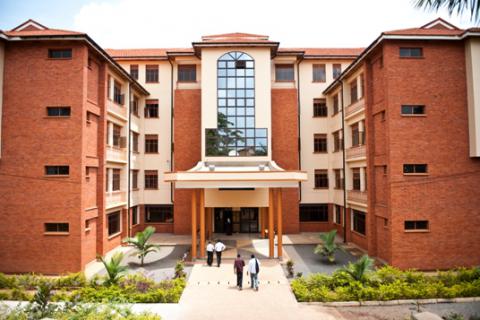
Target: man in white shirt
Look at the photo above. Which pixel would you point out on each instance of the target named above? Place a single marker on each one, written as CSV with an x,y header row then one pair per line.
x,y
253,268
210,249
219,247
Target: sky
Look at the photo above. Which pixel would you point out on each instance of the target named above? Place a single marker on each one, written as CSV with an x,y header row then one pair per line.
x,y
170,24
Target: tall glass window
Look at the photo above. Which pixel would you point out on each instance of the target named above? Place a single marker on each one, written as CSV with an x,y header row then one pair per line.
x,y
236,134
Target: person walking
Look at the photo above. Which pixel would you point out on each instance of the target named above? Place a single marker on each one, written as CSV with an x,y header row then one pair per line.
x,y
219,247
238,270
210,249
254,269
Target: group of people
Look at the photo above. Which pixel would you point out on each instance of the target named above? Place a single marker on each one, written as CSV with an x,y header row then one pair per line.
x,y
253,267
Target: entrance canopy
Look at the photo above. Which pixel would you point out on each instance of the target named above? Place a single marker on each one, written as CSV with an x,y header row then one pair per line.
x,y
215,175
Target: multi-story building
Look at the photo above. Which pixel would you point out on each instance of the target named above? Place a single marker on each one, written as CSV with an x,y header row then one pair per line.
x,y
238,134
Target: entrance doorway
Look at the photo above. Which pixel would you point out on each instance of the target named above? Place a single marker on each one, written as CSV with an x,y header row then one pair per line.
x,y
242,220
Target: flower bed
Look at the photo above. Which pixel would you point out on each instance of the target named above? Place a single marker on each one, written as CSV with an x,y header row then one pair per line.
x,y
387,283
75,288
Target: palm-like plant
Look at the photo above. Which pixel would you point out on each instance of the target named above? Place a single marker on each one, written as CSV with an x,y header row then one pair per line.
x,y
115,270
328,246
360,269
453,6
140,242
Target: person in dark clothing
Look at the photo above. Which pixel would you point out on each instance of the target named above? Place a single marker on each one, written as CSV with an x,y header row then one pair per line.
x,y
238,270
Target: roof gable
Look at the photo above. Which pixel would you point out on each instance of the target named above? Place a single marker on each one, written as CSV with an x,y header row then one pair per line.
x,y
439,23
29,25
234,35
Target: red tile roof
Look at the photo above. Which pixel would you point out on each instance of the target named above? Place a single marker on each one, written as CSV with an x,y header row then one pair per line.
x,y
325,51
145,53
46,32
425,32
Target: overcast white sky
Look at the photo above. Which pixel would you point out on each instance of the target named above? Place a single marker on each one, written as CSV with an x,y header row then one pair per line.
x,y
167,23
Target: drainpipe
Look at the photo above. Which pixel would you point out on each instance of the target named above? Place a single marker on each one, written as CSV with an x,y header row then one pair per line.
x,y
344,168
171,126
129,229
298,119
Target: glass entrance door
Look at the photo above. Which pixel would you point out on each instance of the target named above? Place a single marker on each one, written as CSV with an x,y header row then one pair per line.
x,y
243,221
249,220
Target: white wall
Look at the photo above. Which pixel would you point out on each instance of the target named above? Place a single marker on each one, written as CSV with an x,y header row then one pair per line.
x,y
2,61
472,51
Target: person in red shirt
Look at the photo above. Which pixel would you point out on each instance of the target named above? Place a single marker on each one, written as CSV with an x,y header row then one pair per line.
x,y
238,270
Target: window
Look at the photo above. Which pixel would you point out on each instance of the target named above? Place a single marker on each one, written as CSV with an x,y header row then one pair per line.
x,y
134,213
134,71
314,212
118,97
321,179
159,213
151,179
151,143
116,135
356,179
415,169
362,85
56,227
87,225
151,109
320,143
320,108
134,108
416,225
385,171
115,179
337,142
284,72
411,52
135,141
338,214
358,221
337,70
114,223
134,179
60,53
335,104
338,179
57,170
353,91
58,111
235,133
151,73
411,110
107,179
319,74
355,135
187,73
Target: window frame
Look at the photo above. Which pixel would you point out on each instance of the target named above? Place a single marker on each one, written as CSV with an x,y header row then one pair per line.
x,y
189,68
134,212
166,210
317,67
336,104
355,220
134,178
135,142
355,130
415,169
116,179
356,179
60,109
354,91
152,78
115,232
407,52
58,169
338,179
63,50
58,231
316,209
317,179
284,66
320,109
320,143
151,107
411,108
337,141
151,176
134,71
336,70
151,144
413,226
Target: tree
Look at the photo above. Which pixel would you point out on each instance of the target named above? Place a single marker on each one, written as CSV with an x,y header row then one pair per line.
x,y
140,242
328,246
218,140
360,269
114,268
453,6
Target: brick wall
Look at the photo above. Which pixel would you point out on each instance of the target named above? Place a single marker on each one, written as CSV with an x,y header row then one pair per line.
x,y
187,151
285,150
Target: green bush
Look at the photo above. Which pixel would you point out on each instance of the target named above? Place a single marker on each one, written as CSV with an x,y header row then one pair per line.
x,y
387,283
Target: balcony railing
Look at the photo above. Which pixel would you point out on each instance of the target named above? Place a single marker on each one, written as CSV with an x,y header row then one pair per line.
x,y
356,152
357,196
354,107
116,154
116,198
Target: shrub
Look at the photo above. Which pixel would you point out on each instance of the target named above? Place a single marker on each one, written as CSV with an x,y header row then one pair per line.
x,y
387,283
328,246
140,242
179,269
114,268
72,280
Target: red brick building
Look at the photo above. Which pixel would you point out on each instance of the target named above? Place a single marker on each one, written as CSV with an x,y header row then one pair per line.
x,y
237,133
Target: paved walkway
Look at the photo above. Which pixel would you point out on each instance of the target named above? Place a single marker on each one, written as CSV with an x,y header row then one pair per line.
x,y
211,293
